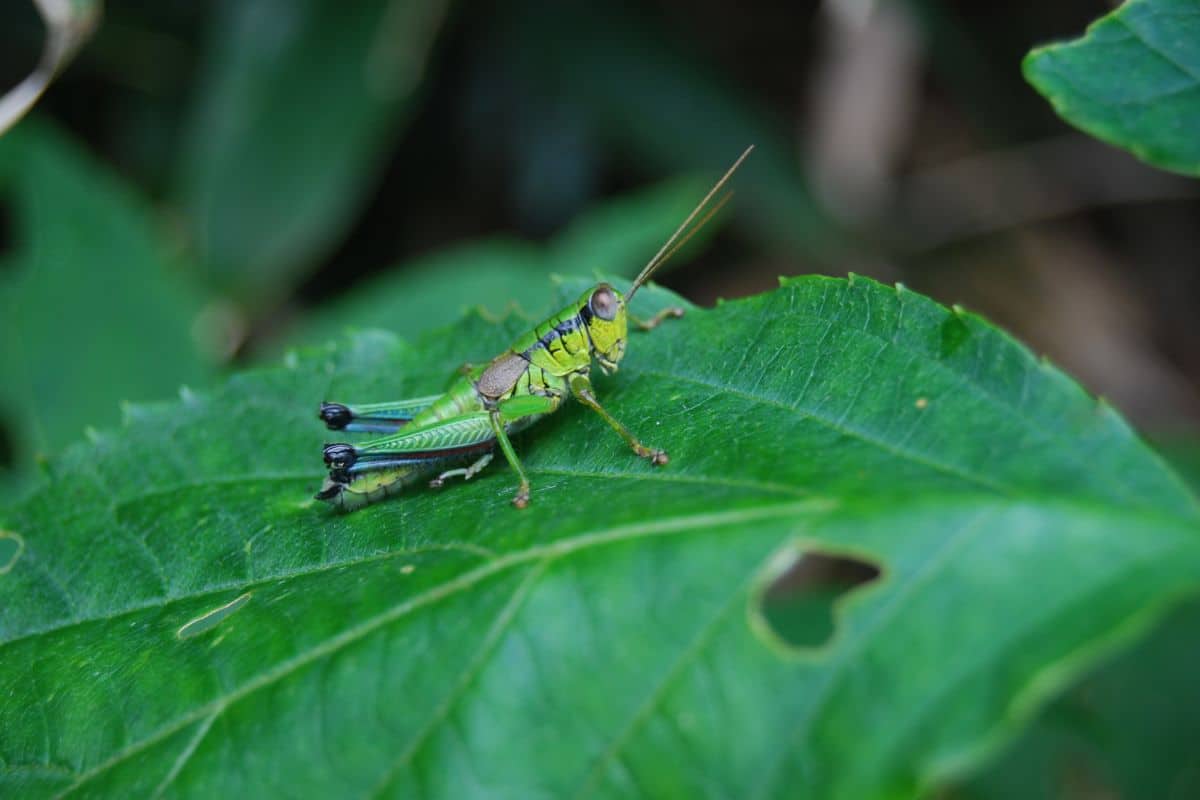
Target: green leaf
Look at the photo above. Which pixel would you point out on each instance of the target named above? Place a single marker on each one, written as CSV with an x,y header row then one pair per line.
x,y
620,235
94,310
299,102
183,619
1133,80
493,275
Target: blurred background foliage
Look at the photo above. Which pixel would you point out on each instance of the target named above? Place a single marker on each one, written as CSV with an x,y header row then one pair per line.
x,y
209,184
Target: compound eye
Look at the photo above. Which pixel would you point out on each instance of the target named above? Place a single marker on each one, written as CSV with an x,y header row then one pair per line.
x,y
604,303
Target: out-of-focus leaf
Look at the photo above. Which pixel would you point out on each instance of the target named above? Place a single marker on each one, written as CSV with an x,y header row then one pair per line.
x,y
493,275
616,238
1133,80
182,620
1131,730
621,235
299,101
69,23
94,308
646,97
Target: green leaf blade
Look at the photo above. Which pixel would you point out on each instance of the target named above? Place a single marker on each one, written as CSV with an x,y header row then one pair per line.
x,y
297,108
86,253
1133,81
606,641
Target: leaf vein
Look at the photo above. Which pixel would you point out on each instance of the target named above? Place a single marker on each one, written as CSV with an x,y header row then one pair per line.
x,y
185,755
851,432
463,582
499,627
644,712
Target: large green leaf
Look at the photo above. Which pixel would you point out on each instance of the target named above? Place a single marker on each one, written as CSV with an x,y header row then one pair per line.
x,y
180,618
1133,81
299,101
94,309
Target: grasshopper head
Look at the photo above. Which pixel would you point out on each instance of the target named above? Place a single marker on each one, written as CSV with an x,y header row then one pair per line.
x,y
603,311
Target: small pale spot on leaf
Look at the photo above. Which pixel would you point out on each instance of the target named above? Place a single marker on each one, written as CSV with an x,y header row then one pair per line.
x,y
211,619
11,548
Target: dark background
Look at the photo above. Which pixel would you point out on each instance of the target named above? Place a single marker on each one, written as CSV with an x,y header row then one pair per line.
x,y
911,150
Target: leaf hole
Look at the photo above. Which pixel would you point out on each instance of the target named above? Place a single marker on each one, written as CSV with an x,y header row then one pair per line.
x,y
798,606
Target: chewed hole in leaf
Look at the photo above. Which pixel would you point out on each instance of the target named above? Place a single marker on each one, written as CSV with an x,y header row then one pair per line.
x,y
797,607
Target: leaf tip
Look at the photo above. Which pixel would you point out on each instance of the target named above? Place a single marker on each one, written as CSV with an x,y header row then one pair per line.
x,y
1030,64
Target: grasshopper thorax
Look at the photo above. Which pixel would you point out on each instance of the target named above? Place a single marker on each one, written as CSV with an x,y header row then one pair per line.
x,y
602,309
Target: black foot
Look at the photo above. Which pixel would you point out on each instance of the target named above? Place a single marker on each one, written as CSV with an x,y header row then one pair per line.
x,y
339,456
335,415
330,490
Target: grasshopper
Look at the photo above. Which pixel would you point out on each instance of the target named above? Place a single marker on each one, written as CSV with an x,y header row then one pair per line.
x,y
486,404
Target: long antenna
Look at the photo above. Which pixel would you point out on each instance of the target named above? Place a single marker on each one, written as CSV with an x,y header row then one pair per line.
x,y
666,251
687,237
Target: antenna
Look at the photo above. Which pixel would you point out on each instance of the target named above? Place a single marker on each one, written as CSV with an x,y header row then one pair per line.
x,y
670,247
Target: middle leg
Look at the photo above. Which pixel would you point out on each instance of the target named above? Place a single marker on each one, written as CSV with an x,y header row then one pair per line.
x,y
581,387
466,473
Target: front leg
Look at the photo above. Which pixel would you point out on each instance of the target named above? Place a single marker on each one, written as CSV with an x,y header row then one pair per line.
x,y
581,387
674,312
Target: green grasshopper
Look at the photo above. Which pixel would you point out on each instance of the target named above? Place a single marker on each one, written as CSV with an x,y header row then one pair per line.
x,y
488,403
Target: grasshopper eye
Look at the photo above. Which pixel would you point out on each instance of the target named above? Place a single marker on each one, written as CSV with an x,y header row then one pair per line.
x,y
604,304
